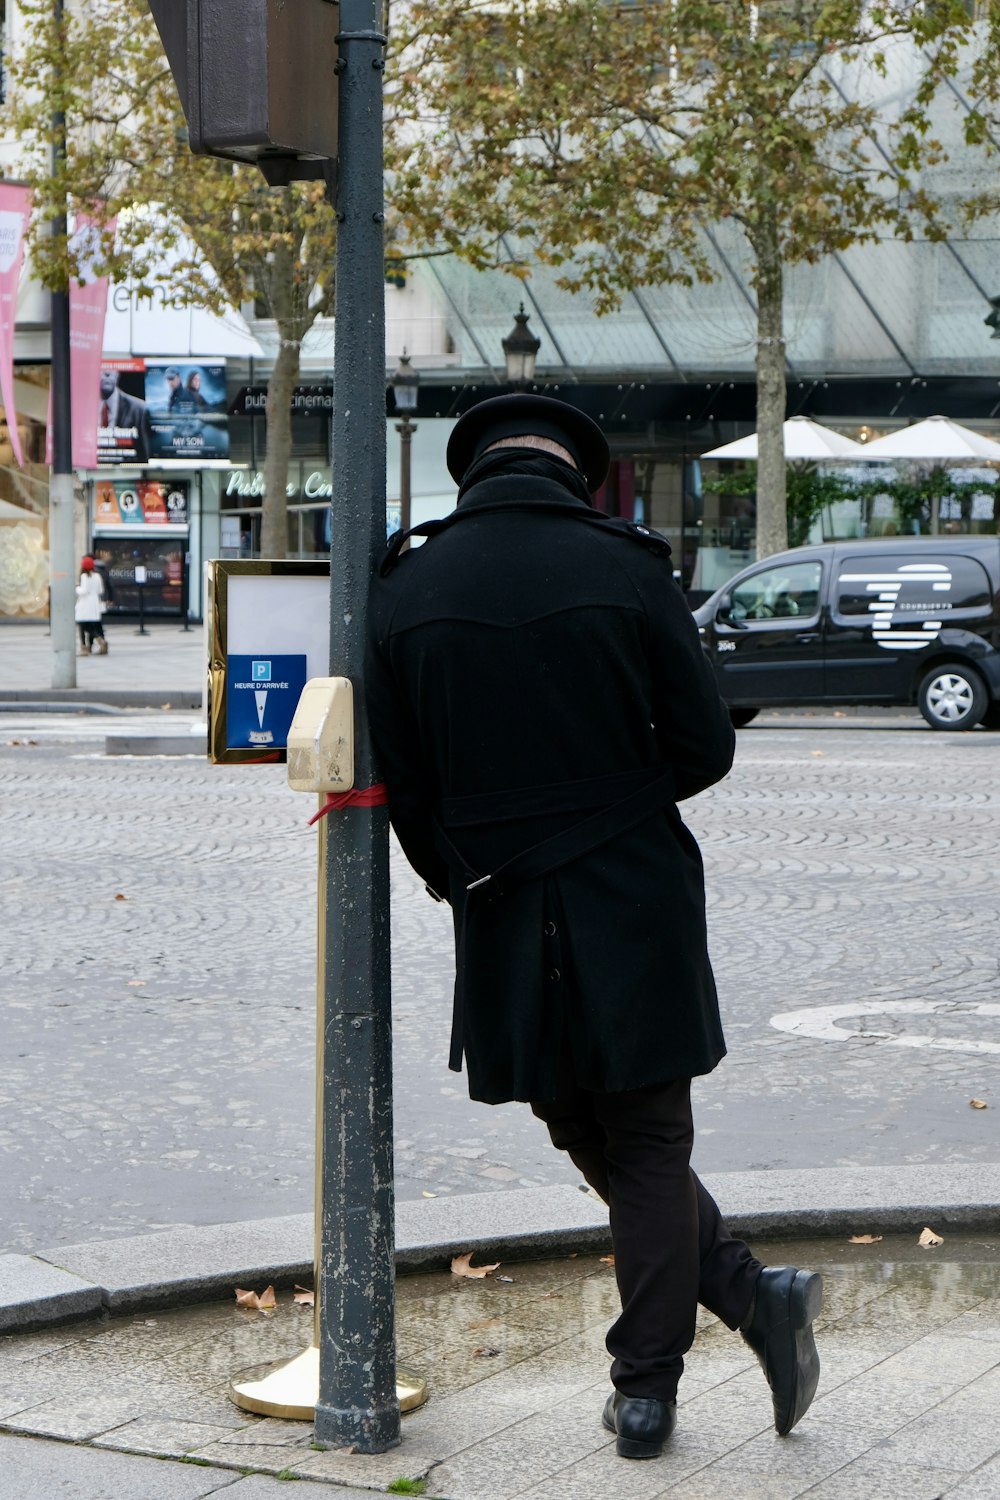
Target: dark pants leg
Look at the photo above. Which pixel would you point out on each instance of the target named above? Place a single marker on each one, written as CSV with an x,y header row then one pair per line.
x,y
672,1247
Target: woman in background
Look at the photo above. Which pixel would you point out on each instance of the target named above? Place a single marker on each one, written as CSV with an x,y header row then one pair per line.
x,y
89,608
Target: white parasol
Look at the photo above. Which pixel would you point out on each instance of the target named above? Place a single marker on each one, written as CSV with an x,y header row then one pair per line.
x,y
938,439
804,439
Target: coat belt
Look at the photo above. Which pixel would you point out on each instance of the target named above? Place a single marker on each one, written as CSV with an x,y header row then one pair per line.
x,y
655,789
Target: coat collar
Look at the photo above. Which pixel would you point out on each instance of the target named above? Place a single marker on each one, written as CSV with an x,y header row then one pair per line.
x,y
519,492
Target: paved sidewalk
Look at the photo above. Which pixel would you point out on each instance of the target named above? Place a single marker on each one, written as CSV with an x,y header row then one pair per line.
x,y
517,1375
164,668
33,1469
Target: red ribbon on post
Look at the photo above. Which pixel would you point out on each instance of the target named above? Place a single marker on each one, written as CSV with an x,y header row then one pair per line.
x,y
369,796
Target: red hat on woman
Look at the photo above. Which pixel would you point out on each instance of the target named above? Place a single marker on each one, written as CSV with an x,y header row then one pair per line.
x,y
88,565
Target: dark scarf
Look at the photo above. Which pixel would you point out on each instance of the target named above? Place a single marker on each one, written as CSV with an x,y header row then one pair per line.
x,y
525,463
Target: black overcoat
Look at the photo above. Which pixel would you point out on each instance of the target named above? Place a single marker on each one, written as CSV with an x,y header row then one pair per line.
x,y
528,665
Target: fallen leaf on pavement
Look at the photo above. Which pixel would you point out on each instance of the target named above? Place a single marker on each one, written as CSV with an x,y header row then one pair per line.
x,y
508,1279
929,1238
865,1239
120,897
607,1260
305,1296
462,1266
425,1194
817,752
550,1297
485,1353
136,983
263,1303
979,1104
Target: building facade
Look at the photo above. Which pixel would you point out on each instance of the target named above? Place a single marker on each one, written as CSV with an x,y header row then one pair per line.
x,y
877,336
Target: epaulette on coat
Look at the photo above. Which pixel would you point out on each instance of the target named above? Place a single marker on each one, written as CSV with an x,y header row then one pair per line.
x,y
634,530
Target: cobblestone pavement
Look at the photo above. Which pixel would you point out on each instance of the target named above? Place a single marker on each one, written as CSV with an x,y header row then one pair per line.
x,y
517,1375
157,979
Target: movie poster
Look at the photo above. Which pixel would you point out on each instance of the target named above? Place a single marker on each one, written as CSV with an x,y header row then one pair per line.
x,y
124,432
187,408
148,502
150,410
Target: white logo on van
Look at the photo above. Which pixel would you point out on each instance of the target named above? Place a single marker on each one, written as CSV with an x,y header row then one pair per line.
x,y
887,607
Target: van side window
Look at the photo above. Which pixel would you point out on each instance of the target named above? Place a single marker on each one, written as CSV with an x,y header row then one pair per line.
x,y
787,592
898,586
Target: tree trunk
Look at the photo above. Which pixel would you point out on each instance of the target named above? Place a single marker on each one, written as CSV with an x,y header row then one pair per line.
x,y
772,514
284,378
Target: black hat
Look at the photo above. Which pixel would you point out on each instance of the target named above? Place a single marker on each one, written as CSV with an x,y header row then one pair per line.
x,y
529,416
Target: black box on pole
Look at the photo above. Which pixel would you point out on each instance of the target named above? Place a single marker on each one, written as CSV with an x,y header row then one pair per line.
x,y
256,79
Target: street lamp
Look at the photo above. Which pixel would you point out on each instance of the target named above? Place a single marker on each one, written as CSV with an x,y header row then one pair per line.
x,y
404,390
520,349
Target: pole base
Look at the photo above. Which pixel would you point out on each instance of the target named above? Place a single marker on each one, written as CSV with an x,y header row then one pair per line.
x,y
289,1388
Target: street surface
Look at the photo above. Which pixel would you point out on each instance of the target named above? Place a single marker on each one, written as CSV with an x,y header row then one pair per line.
x,y
157,973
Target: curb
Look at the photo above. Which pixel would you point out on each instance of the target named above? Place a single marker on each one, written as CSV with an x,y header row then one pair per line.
x,y
190,1263
47,706
156,744
91,698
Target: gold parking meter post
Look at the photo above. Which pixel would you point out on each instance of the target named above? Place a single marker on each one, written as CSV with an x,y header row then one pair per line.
x,y
320,754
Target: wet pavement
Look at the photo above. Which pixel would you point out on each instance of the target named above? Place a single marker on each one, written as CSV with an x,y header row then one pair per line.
x,y
906,1410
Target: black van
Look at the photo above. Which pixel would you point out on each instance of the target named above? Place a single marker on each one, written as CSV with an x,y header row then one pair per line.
x,y
886,620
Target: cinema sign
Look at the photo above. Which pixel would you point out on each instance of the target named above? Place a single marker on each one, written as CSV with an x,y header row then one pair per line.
x,y
303,484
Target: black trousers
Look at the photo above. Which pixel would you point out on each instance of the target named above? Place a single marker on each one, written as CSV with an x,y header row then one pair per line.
x,y
672,1247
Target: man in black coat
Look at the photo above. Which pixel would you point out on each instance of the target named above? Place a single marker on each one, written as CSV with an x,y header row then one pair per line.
x,y
540,701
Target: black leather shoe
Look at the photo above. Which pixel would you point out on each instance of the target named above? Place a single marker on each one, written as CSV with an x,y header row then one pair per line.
x,y
778,1329
641,1423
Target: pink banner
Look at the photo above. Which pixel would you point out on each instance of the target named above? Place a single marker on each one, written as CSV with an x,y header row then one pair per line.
x,y
15,206
88,304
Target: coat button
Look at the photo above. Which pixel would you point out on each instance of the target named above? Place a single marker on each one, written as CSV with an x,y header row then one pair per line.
x,y
555,976
550,929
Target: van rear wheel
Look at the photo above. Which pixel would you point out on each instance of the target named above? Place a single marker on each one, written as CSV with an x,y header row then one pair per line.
x,y
952,696
991,718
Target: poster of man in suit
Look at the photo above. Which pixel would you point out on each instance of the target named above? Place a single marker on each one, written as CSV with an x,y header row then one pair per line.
x,y
124,430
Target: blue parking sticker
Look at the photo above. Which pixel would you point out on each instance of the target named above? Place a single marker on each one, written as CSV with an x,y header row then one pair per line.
x,y
262,694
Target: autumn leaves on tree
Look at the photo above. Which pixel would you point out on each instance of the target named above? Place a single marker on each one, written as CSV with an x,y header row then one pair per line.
x,y
609,140
231,238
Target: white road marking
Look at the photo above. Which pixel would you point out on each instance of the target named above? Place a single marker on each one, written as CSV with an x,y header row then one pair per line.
x,y
820,1023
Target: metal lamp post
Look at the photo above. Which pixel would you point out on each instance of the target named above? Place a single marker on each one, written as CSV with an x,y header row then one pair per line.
x,y
404,389
62,542
520,350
